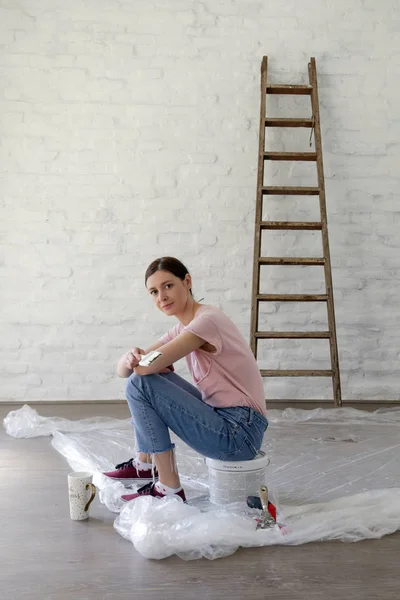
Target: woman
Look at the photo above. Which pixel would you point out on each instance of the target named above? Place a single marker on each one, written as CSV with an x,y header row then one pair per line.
x,y
223,417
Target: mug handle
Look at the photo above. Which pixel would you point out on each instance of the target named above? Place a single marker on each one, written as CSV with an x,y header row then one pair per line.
x,y
90,485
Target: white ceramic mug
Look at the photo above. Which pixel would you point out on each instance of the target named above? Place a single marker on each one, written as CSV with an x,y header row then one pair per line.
x,y
81,494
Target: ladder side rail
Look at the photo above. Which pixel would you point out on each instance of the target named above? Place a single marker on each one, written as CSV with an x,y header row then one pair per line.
x,y
258,212
324,231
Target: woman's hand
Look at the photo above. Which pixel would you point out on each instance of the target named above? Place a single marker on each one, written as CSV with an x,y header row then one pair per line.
x,y
133,357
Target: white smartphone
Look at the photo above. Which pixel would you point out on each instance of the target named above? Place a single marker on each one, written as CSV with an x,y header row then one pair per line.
x,y
148,359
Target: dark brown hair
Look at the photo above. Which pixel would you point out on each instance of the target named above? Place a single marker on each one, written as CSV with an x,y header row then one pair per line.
x,y
167,263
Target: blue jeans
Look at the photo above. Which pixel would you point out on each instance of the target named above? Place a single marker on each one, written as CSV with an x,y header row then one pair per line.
x,y
167,401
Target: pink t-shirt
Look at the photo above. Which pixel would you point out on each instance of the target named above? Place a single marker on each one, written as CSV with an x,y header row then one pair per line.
x,y
230,376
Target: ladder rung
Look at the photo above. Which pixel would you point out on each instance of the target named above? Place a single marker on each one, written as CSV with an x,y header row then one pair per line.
x,y
290,191
292,335
290,155
292,297
290,225
291,261
276,122
302,373
289,89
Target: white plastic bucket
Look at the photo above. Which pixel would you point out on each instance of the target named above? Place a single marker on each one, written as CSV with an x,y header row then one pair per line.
x,y
234,481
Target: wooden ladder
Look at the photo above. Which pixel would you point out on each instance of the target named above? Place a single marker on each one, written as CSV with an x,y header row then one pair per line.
x,y
260,225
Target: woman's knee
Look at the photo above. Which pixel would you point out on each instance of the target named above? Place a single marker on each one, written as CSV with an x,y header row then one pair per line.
x,y
132,385
138,384
134,377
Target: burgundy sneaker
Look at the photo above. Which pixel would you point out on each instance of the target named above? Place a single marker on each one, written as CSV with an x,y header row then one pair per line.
x,y
127,472
150,490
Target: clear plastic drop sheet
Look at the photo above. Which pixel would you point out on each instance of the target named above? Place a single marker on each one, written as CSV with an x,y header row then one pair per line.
x,y
334,473
26,422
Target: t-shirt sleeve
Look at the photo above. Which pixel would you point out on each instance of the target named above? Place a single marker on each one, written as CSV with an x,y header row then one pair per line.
x,y
205,327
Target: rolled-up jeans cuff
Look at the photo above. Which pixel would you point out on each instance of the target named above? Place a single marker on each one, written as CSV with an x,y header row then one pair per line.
x,y
171,447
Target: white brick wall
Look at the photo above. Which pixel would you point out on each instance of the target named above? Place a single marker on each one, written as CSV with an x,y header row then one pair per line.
x,y
130,130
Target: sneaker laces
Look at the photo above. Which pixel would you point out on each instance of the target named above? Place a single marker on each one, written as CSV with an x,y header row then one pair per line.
x,y
147,489
124,465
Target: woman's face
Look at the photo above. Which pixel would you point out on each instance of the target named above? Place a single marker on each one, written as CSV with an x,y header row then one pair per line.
x,y
169,293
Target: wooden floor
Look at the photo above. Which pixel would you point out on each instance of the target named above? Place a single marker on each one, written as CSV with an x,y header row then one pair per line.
x,y
46,556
